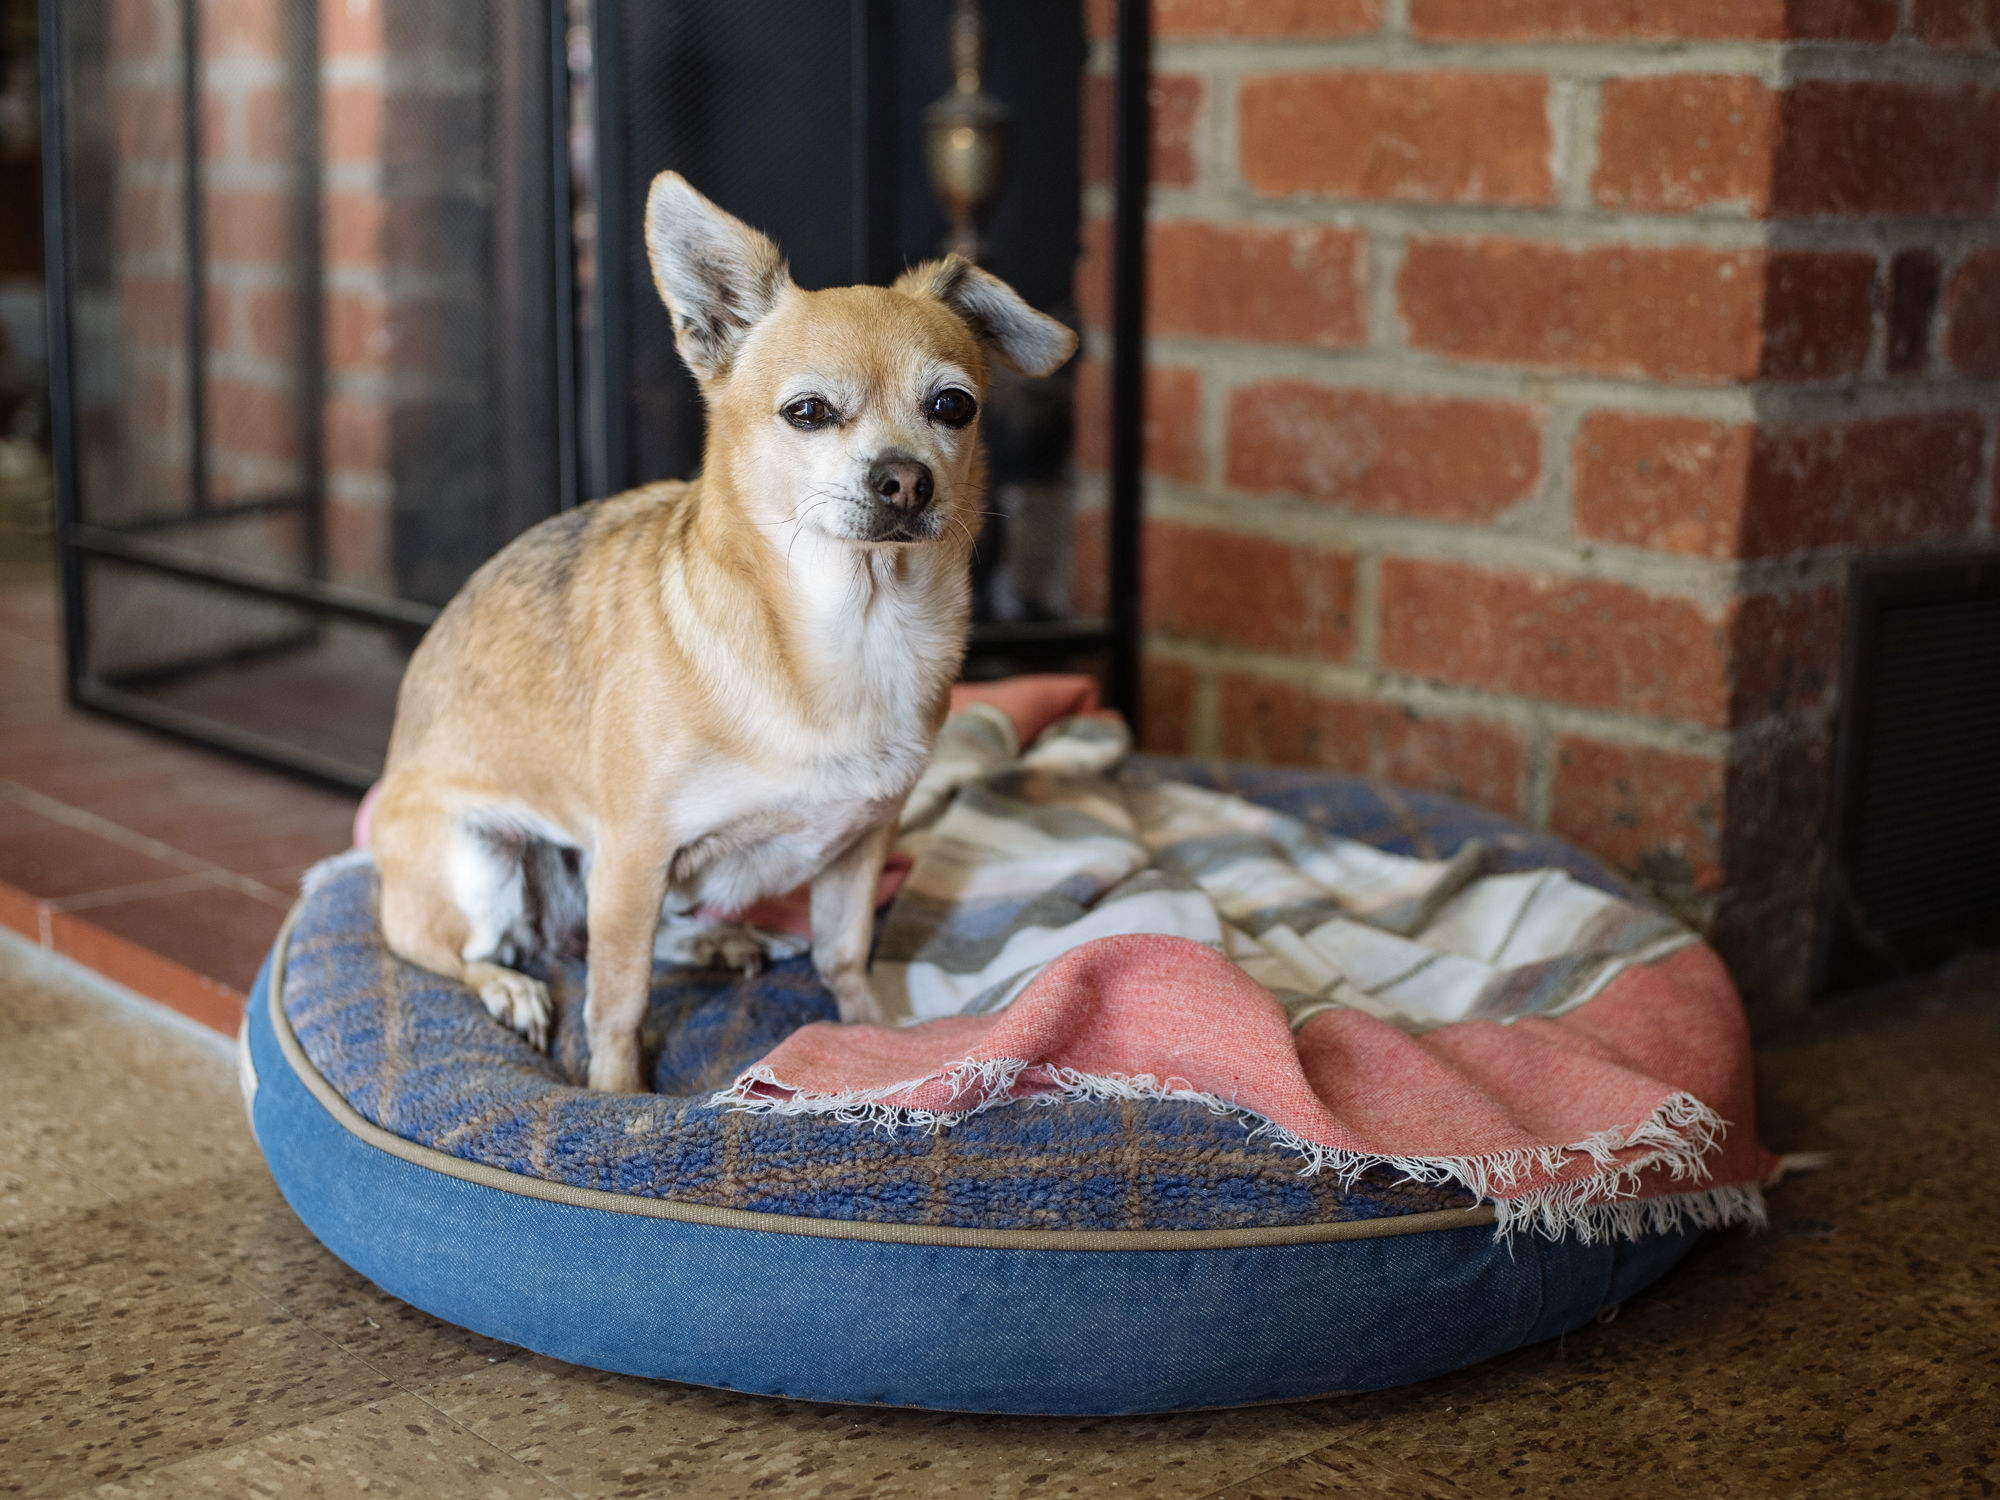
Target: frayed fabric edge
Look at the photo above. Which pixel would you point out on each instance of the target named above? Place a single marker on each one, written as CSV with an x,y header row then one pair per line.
x,y
1634,1218
1675,1139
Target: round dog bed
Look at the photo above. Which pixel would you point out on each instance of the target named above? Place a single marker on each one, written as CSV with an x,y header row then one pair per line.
x,y
1083,1256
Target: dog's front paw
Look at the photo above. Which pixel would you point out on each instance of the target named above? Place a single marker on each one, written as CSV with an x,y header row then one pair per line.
x,y
856,999
515,1001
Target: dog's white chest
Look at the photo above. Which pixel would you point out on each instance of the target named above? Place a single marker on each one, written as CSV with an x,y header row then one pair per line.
x,y
751,834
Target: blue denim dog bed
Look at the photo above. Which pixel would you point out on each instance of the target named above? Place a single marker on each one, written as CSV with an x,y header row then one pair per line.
x,y
1080,1257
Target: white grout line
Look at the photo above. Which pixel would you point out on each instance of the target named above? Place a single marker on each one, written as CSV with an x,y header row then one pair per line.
x,y
143,890
89,822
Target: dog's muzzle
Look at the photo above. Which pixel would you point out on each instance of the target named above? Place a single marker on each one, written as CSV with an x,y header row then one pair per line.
x,y
900,490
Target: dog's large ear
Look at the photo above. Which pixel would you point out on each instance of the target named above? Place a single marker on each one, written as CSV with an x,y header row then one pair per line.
x,y
717,275
1023,339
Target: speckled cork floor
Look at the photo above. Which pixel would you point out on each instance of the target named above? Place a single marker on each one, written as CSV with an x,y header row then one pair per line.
x,y
167,1328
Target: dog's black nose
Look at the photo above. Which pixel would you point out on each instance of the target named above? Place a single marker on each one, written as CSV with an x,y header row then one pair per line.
x,y
901,482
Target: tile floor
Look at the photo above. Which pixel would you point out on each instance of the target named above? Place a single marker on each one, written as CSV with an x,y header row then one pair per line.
x,y
167,867
168,1328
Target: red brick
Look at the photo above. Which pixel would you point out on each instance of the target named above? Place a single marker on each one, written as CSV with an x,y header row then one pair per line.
x,y
1886,148
1972,314
1964,24
1722,490
1818,314
360,334
1624,310
156,403
1565,640
351,120
243,29
1167,706
253,225
146,123
1784,653
219,315
1911,302
370,232
1441,137
1888,482
1774,823
1410,456
1590,20
1093,274
1230,590
1278,286
1620,310
274,323
1089,561
357,433
352,230
267,126
250,418
370,331
1656,813
137,34
1182,20
153,310
1685,141
392,28
1171,428
359,540
1842,20
146,221
353,28
1668,483
1176,102
1269,721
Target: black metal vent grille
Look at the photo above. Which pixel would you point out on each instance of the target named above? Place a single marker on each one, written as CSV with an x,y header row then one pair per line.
x,y
1916,836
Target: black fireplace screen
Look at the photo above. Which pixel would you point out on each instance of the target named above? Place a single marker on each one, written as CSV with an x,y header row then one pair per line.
x,y
346,295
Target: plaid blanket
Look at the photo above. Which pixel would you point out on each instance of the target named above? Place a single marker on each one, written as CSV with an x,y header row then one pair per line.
x,y
1069,928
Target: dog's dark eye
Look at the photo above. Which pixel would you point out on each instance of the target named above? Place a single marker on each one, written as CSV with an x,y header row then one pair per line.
x,y
809,412
953,407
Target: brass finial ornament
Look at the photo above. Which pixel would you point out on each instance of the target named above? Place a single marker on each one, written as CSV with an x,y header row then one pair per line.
x,y
965,136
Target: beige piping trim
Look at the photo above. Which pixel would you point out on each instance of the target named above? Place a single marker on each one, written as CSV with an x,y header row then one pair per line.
x,y
827,1229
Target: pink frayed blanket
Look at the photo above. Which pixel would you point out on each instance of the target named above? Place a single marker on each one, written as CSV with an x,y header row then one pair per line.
x,y
1581,1062
1631,1112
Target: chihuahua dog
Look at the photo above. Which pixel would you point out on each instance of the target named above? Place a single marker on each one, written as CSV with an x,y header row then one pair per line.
x,y
700,694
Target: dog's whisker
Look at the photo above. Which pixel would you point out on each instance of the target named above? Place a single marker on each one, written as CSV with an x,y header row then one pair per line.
x,y
795,535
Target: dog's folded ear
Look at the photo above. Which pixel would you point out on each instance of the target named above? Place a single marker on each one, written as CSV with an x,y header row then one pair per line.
x,y
717,275
1021,338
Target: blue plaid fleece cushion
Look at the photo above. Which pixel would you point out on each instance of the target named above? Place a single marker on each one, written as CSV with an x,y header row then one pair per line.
x,y
421,1058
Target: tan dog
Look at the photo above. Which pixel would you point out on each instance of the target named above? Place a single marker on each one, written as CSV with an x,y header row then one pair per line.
x,y
701,694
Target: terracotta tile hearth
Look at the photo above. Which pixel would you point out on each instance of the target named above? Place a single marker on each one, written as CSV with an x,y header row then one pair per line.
x,y
163,867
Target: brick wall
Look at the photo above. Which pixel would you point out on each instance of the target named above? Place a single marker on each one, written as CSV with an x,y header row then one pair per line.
x,y
1523,376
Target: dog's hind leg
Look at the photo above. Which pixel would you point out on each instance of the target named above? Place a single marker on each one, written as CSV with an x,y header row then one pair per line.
x,y
453,903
